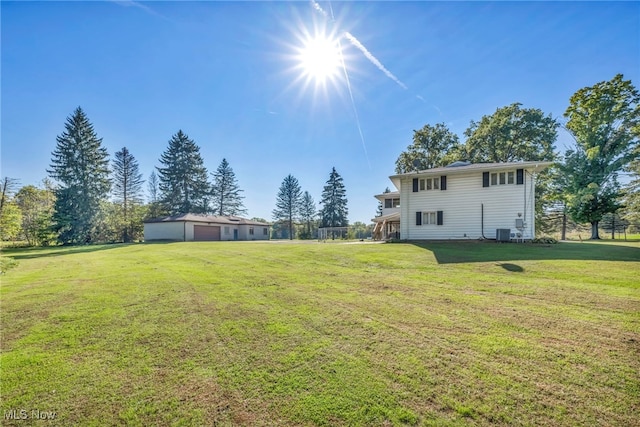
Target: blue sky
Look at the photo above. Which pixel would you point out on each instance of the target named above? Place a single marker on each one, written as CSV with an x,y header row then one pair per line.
x,y
228,74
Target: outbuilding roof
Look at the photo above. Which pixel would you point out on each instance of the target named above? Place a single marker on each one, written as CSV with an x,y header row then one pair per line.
x,y
215,219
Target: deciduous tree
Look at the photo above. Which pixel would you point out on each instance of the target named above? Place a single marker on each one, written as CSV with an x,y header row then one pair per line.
x,y
432,146
37,207
605,121
511,134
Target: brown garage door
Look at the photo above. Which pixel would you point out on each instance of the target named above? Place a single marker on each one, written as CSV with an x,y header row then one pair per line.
x,y
203,233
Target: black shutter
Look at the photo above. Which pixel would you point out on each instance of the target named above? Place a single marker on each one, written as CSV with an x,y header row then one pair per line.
x,y
443,182
485,179
519,176
415,185
439,217
418,218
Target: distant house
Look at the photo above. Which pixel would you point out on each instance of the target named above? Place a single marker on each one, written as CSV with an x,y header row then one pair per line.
x,y
192,227
461,201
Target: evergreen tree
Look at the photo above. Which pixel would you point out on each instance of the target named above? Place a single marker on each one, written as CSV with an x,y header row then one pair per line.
x,y
81,165
127,188
225,192
379,209
154,208
334,200
183,178
288,202
152,187
308,212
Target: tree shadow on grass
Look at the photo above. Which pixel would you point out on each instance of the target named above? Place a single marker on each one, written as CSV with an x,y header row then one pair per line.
x,y
490,251
56,251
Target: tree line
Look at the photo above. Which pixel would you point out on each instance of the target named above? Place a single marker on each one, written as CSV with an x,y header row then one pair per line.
x,y
583,186
88,198
98,200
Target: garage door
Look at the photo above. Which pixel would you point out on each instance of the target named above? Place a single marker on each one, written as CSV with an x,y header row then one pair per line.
x,y
202,233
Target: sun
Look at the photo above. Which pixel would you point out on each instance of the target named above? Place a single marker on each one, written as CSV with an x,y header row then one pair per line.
x,y
320,58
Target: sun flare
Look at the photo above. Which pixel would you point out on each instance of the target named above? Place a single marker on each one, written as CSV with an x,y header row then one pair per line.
x,y
320,59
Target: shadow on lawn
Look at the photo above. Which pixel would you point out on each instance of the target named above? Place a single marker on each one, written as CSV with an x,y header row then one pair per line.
x,y
488,251
55,251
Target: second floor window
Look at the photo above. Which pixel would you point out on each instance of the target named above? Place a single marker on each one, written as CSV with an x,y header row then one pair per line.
x,y
391,203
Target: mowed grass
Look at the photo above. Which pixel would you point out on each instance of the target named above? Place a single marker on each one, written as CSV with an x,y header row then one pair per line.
x,y
273,333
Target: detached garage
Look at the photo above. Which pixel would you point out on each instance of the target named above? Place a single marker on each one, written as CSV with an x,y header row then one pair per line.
x,y
204,228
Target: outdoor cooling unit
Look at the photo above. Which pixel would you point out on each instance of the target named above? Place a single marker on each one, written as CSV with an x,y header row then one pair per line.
x,y
503,234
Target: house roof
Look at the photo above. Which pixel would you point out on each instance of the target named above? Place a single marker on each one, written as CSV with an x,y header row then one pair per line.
x,y
462,168
390,217
233,220
391,194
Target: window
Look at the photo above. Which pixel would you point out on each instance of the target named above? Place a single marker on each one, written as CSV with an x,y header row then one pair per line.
x,y
265,231
391,203
251,231
430,184
499,178
430,218
226,230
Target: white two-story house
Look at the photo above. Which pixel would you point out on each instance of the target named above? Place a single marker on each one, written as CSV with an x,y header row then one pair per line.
x,y
461,201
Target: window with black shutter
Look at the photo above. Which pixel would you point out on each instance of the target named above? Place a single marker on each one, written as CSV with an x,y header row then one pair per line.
x,y
519,176
485,179
443,182
418,218
415,185
439,219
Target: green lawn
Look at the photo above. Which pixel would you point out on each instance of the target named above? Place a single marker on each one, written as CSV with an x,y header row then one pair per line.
x,y
273,333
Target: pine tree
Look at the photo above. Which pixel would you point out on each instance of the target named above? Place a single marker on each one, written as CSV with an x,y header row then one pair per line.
x,y
127,188
379,209
152,187
81,165
225,192
334,200
154,208
183,179
308,212
288,202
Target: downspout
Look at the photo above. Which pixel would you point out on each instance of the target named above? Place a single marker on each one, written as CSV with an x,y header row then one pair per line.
x,y
184,231
482,222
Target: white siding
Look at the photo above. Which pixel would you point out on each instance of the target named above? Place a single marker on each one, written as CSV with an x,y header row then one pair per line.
x,y
165,231
462,204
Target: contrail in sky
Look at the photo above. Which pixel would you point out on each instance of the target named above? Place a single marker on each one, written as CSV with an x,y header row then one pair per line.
x,y
353,101
354,41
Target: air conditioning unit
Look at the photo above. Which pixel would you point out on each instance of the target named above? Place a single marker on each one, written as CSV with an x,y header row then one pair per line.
x,y
503,234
